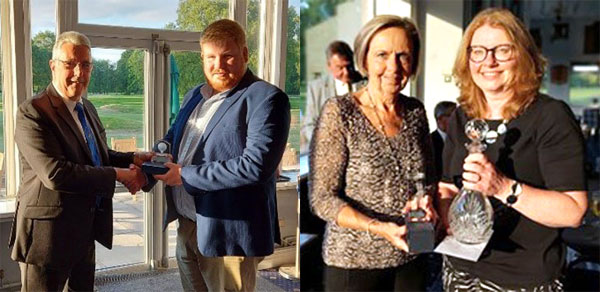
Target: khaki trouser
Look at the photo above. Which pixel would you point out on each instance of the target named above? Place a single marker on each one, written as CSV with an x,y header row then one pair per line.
x,y
200,273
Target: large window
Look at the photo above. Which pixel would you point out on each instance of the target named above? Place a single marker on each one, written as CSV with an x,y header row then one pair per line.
x,y
2,163
129,83
292,72
129,13
584,84
42,39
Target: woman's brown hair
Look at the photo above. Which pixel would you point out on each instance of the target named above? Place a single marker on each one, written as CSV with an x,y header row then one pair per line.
x,y
529,68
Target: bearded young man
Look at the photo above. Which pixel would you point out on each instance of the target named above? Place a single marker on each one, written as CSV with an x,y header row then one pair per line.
x,y
227,142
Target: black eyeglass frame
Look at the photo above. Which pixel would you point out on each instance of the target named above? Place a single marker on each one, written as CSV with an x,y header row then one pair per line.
x,y
493,50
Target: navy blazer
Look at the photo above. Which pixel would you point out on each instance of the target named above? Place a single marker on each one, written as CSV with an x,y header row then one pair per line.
x,y
232,176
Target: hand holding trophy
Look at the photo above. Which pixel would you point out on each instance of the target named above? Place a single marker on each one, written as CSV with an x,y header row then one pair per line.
x,y
471,215
157,164
421,234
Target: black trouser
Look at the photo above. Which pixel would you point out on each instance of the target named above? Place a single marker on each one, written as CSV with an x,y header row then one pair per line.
x,y
80,277
407,277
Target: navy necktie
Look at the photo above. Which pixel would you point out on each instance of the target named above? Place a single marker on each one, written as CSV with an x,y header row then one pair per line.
x,y
89,135
91,142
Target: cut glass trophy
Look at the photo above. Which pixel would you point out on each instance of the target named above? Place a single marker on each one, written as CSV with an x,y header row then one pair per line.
x,y
471,215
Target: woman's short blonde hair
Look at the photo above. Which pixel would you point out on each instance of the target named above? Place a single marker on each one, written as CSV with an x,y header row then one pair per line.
x,y
528,73
381,22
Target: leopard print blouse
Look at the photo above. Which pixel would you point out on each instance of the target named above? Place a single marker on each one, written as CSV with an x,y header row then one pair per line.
x,y
351,163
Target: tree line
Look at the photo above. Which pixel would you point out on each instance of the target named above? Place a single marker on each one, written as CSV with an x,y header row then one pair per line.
x,y
126,76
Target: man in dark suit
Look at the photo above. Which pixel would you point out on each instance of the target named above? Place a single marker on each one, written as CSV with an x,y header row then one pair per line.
x,y
227,142
442,112
64,200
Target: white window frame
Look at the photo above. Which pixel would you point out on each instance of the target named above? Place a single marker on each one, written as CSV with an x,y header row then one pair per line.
x,y
17,80
156,42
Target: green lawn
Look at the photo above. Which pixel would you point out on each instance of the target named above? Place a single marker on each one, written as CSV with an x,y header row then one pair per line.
x,y
582,96
122,116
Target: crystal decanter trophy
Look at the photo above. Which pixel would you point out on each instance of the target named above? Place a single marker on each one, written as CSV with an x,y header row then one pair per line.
x,y
157,164
421,235
471,215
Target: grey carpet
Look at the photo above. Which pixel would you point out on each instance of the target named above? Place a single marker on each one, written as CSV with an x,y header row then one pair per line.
x,y
160,280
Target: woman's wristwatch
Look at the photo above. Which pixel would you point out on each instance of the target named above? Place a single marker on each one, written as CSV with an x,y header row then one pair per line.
x,y
516,190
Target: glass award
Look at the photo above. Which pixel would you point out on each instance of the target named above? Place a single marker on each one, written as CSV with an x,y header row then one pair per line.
x,y
157,164
421,234
471,215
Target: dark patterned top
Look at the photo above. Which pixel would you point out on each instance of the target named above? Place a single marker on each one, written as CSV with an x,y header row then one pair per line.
x,y
351,163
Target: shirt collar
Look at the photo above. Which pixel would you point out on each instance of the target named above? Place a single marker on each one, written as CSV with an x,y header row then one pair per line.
x,y
341,88
208,92
68,102
442,133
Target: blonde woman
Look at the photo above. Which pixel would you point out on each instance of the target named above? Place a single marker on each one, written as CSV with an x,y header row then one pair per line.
x,y
532,170
365,149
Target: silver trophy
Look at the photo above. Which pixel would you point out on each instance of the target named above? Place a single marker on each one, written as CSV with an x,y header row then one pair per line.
x,y
471,215
157,164
421,234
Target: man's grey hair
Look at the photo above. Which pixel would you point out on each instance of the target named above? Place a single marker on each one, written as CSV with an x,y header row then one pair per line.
x,y
71,37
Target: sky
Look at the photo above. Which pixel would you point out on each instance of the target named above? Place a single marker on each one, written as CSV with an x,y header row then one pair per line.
x,y
152,14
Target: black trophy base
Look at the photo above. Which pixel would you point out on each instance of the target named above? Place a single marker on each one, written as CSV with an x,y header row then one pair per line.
x,y
421,237
154,168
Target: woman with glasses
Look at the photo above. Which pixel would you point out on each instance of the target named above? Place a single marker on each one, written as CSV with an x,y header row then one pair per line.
x,y
366,150
532,170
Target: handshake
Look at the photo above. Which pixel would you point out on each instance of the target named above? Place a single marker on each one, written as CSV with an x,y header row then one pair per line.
x,y
133,178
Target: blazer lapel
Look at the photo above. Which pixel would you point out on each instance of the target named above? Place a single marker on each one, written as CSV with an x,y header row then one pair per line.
x,y
233,96
329,88
63,112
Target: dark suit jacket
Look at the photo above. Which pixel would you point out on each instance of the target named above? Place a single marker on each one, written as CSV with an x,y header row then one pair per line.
x,y
438,149
56,218
232,173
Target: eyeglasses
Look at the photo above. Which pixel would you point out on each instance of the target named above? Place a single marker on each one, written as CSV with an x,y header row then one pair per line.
x,y
501,53
72,64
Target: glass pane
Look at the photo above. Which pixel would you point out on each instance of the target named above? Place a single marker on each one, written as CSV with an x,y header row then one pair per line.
x,y
584,84
190,15
190,63
253,33
117,91
42,39
292,73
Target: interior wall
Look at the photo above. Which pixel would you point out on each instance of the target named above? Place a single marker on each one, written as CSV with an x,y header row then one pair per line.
x,y
441,28
563,51
343,25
